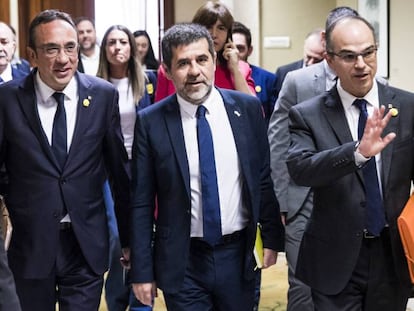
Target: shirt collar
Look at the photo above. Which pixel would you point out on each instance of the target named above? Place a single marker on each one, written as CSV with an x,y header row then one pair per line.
x,y
95,55
210,103
7,74
348,99
45,91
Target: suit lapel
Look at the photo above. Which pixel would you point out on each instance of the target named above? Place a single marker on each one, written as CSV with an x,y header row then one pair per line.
x,y
28,103
82,112
175,132
319,81
335,115
386,98
236,119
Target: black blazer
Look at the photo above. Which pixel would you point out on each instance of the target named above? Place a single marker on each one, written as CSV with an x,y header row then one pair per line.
x,y
160,169
321,156
38,187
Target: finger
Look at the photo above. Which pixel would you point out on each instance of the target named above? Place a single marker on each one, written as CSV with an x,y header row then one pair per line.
x,y
388,138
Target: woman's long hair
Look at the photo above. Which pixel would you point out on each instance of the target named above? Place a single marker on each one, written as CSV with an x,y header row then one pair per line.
x,y
149,60
136,74
208,14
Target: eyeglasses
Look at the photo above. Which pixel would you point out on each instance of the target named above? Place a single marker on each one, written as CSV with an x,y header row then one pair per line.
x,y
352,57
52,50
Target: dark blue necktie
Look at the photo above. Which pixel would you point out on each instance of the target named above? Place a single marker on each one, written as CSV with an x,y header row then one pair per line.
x,y
209,188
59,132
374,215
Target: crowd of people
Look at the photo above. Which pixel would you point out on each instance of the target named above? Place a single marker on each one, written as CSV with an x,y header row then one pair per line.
x,y
162,170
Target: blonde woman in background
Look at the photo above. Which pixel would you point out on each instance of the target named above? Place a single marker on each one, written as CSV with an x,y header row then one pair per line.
x,y
120,65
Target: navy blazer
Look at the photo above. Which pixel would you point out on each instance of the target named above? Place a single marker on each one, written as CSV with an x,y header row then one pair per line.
x,y
160,170
321,156
38,187
265,89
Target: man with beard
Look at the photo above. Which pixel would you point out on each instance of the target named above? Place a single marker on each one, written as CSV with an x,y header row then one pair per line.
x,y
203,156
88,49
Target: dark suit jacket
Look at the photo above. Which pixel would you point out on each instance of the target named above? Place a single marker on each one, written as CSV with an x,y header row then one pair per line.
x,y
322,156
38,187
8,296
281,73
160,169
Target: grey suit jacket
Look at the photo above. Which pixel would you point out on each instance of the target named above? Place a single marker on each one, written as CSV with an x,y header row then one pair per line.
x,y
321,156
299,85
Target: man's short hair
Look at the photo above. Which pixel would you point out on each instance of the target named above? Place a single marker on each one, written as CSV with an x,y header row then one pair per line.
x,y
183,34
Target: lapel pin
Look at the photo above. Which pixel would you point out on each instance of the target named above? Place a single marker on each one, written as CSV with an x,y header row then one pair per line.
x,y
394,111
86,102
237,113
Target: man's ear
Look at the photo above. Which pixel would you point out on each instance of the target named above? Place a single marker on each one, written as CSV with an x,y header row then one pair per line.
x,y
249,51
32,56
167,71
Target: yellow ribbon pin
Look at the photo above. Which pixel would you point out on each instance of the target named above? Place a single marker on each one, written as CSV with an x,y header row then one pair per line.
x,y
86,102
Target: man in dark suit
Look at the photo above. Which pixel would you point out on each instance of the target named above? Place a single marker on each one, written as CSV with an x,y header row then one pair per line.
x,y
59,137
296,201
194,270
351,254
88,48
8,296
313,50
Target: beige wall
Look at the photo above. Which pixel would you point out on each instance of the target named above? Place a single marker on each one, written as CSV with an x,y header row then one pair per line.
x,y
295,18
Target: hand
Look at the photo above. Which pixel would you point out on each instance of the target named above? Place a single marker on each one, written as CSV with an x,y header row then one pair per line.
x,y
145,292
125,259
269,257
231,54
371,142
283,216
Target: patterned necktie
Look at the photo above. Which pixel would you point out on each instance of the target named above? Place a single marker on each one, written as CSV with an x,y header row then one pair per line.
x,y
209,188
59,132
374,214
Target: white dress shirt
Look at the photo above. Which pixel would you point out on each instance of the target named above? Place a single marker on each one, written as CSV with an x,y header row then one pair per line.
x,y
352,115
7,74
47,105
229,179
91,63
127,111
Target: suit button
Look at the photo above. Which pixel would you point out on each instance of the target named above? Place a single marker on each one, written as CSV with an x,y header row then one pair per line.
x,y
55,215
62,181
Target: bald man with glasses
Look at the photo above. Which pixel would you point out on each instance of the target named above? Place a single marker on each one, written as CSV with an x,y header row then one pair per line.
x,y
354,145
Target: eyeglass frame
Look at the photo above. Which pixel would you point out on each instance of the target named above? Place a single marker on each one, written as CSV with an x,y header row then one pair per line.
x,y
56,49
353,56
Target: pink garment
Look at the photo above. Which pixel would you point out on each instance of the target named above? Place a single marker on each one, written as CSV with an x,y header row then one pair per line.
x,y
223,79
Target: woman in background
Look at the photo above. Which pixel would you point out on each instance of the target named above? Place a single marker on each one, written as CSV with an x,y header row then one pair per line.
x,y
120,65
145,50
231,73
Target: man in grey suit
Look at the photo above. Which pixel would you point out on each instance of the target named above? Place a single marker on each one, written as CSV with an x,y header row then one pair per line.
x,y
296,201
